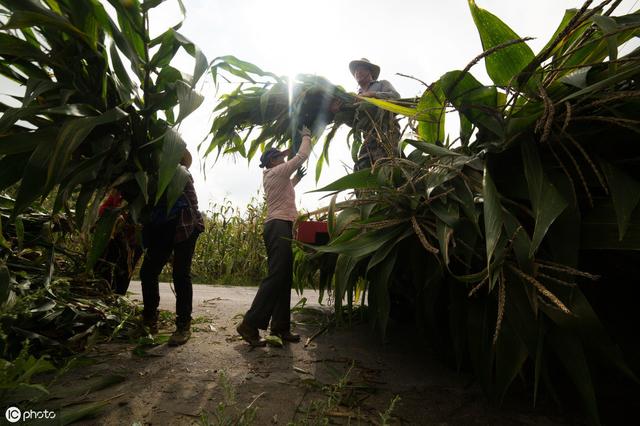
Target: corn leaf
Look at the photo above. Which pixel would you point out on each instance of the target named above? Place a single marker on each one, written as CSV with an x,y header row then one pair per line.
x,y
395,108
34,177
511,355
24,19
504,64
569,14
546,201
477,102
344,268
625,194
357,180
71,135
18,143
173,148
101,236
345,218
331,218
600,229
492,216
379,299
432,149
13,46
363,244
431,104
188,99
176,186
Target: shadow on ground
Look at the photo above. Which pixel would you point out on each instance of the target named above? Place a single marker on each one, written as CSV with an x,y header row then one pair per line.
x,y
344,375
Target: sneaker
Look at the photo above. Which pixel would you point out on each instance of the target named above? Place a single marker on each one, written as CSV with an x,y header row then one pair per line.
x,y
287,336
250,334
180,336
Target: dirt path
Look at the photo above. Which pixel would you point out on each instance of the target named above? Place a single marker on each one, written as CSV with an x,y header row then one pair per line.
x,y
177,385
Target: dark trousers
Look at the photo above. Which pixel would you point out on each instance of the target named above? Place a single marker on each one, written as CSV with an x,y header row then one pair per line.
x,y
119,262
273,300
159,241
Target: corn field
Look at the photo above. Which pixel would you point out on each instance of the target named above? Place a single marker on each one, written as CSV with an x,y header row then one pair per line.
x,y
231,250
99,108
513,246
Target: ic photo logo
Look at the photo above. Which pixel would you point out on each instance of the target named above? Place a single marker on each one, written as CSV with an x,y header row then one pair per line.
x,y
13,414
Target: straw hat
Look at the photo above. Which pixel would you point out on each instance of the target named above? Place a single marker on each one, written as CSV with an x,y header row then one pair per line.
x,y
375,69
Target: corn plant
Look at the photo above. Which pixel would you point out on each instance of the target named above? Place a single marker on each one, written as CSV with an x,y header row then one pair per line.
x,y
231,250
279,107
100,107
493,240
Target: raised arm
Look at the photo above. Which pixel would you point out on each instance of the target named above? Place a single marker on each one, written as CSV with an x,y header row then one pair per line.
x,y
290,166
298,176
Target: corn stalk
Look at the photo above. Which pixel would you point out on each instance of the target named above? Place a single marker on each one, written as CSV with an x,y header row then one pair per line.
x,y
492,240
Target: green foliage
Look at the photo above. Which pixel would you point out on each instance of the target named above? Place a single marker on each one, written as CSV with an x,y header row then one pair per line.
x,y
99,108
16,386
279,107
231,249
50,309
485,240
86,122
506,63
16,376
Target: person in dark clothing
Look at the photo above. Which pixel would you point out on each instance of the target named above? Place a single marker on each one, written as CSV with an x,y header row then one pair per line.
x,y
380,129
273,300
175,233
123,251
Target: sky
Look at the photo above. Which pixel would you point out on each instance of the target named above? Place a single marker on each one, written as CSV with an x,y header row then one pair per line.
x,y
420,38
423,39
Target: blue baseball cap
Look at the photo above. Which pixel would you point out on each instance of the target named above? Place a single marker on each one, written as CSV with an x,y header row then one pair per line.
x,y
268,155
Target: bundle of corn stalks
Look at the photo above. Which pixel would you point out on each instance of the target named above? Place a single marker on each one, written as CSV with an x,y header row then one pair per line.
x,y
280,107
492,241
87,120
50,308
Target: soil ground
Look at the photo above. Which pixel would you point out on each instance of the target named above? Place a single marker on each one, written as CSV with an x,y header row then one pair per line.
x,y
345,375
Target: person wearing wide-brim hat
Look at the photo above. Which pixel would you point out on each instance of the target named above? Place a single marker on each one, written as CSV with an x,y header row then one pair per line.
x,y
380,138
366,74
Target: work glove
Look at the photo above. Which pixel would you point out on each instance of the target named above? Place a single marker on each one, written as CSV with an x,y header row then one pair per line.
x,y
301,172
305,131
